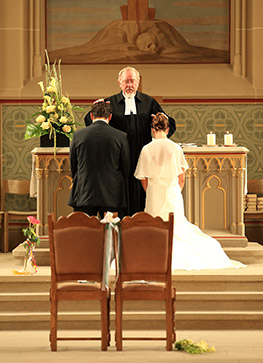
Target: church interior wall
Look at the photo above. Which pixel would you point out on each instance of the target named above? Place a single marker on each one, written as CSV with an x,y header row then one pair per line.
x,y
199,96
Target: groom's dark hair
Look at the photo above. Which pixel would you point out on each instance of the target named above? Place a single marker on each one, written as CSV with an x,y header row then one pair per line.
x,y
101,109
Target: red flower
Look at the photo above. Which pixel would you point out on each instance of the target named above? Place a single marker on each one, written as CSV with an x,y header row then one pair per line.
x,y
33,220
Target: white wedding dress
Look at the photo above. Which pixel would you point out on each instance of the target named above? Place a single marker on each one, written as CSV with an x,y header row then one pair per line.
x,y
161,161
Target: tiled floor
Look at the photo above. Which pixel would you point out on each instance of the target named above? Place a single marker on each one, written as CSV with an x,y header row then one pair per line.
x,y
33,346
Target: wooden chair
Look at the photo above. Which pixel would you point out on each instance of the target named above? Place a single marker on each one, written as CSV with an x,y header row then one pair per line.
x,y
253,219
2,223
255,186
145,254
76,253
18,187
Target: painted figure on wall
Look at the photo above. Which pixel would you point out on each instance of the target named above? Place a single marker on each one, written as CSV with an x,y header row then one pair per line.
x,y
141,36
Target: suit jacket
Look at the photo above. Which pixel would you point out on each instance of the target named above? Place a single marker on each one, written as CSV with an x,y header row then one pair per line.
x,y
100,164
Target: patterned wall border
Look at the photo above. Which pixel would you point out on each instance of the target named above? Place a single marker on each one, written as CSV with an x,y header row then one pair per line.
x,y
195,118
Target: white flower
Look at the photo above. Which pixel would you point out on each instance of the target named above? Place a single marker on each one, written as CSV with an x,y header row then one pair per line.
x,y
50,109
53,82
48,99
64,99
63,120
40,119
41,84
66,128
51,89
45,125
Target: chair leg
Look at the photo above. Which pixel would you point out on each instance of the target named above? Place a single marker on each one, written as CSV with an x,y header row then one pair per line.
x,y
53,321
104,321
169,318
6,233
108,311
118,321
173,318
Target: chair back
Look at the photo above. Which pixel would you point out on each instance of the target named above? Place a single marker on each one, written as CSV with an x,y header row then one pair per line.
x,y
146,248
11,186
255,186
16,186
76,247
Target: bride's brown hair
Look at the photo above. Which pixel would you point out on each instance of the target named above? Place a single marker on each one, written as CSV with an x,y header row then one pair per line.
x,y
160,122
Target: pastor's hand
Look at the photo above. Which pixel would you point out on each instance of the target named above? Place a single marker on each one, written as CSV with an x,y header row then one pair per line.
x,y
99,100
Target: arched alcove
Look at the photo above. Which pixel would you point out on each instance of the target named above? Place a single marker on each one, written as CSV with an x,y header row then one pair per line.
x,y
214,204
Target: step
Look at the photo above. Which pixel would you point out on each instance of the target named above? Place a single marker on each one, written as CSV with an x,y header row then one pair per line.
x,y
181,285
42,254
250,254
24,284
218,283
44,242
244,279
206,299
137,320
201,301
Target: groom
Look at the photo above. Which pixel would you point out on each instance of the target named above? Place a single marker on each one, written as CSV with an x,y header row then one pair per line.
x,y
100,165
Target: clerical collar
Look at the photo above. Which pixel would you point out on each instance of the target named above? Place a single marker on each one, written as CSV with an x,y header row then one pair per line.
x,y
130,105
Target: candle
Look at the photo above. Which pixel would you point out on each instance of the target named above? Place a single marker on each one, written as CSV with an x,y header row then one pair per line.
x,y
211,139
228,139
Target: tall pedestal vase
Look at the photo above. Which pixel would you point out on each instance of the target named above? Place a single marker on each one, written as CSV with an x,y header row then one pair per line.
x,y
29,265
29,261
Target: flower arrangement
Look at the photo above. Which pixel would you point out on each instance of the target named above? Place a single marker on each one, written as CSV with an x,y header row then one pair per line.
x,y
32,240
56,114
190,347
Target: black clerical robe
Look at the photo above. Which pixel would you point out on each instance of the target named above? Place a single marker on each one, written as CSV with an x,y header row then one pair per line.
x,y
138,128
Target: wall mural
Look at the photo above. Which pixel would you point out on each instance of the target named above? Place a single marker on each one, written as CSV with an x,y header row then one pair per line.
x,y
138,31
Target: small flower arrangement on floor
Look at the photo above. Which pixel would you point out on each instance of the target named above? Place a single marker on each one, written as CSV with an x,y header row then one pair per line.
x,y
32,240
56,114
190,347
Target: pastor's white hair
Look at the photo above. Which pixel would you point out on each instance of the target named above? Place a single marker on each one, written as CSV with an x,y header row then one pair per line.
x,y
128,69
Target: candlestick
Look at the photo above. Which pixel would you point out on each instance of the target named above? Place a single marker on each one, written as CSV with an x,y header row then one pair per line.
x,y
228,139
211,139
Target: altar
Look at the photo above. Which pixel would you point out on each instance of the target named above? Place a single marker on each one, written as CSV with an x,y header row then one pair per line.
x,y
51,183
213,192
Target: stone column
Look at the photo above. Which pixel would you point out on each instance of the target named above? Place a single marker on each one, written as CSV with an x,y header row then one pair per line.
x,y
233,201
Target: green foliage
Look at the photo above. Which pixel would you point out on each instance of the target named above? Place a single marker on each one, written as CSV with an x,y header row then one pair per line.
x,y
30,233
32,130
188,346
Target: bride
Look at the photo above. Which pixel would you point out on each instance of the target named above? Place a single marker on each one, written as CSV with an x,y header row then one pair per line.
x,y
161,168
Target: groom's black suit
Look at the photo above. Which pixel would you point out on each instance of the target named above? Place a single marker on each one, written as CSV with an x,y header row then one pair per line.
x,y
100,164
